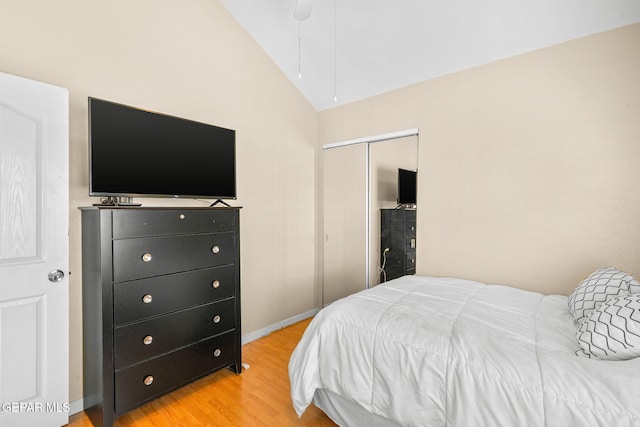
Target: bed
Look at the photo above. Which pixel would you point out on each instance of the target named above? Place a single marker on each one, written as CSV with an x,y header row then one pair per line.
x,y
427,351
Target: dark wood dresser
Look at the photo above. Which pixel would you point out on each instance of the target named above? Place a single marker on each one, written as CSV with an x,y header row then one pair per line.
x,y
398,233
161,302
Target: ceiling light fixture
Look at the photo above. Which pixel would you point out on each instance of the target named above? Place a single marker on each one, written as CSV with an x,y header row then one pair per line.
x,y
301,12
299,50
335,51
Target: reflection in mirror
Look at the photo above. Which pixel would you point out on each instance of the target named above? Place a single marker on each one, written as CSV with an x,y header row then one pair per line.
x,y
398,229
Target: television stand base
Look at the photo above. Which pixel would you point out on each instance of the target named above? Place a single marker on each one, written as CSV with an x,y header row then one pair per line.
x,y
219,202
117,202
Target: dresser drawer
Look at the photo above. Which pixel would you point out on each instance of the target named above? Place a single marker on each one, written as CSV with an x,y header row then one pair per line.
x,y
411,261
140,299
155,256
411,229
149,338
171,371
147,222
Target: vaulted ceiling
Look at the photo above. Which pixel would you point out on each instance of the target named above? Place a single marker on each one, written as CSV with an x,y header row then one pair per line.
x,y
353,49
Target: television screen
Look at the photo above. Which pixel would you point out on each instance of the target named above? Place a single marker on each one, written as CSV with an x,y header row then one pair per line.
x,y
407,187
134,152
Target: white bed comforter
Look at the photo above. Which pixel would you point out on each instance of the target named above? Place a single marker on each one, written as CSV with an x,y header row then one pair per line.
x,y
426,351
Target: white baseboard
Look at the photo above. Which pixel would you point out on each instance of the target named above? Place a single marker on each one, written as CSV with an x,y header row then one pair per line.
x,y
252,336
76,406
80,404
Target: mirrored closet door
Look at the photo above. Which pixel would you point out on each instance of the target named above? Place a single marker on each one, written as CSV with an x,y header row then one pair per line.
x,y
360,179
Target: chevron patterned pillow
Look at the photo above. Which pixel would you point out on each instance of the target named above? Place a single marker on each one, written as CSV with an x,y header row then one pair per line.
x,y
601,285
612,331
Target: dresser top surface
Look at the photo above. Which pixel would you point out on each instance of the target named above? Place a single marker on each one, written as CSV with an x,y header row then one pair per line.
x,y
161,208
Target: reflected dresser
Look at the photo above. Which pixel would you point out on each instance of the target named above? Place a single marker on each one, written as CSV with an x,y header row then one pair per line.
x,y
398,234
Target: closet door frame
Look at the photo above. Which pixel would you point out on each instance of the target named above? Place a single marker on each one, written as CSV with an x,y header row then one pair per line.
x,y
368,140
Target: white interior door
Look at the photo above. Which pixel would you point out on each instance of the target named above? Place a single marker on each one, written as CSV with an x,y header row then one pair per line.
x,y
34,294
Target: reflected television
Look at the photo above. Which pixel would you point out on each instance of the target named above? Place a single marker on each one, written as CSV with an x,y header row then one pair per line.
x,y
407,185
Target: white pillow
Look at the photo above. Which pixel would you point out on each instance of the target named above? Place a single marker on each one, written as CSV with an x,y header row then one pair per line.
x,y
602,285
612,331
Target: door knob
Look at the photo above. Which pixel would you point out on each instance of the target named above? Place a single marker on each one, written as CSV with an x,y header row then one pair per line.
x,y
56,276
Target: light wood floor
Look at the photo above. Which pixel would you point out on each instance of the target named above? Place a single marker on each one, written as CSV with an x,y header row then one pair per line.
x,y
257,397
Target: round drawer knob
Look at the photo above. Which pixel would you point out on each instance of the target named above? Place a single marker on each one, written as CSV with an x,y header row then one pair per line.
x,y
182,216
217,352
215,249
148,380
147,299
215,284
146,257
147,340
216,318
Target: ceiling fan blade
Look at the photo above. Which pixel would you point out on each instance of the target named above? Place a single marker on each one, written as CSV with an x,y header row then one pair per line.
x,y
302,10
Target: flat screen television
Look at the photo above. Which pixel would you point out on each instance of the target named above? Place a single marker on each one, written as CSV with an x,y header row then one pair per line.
x,y
407,183
135,152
